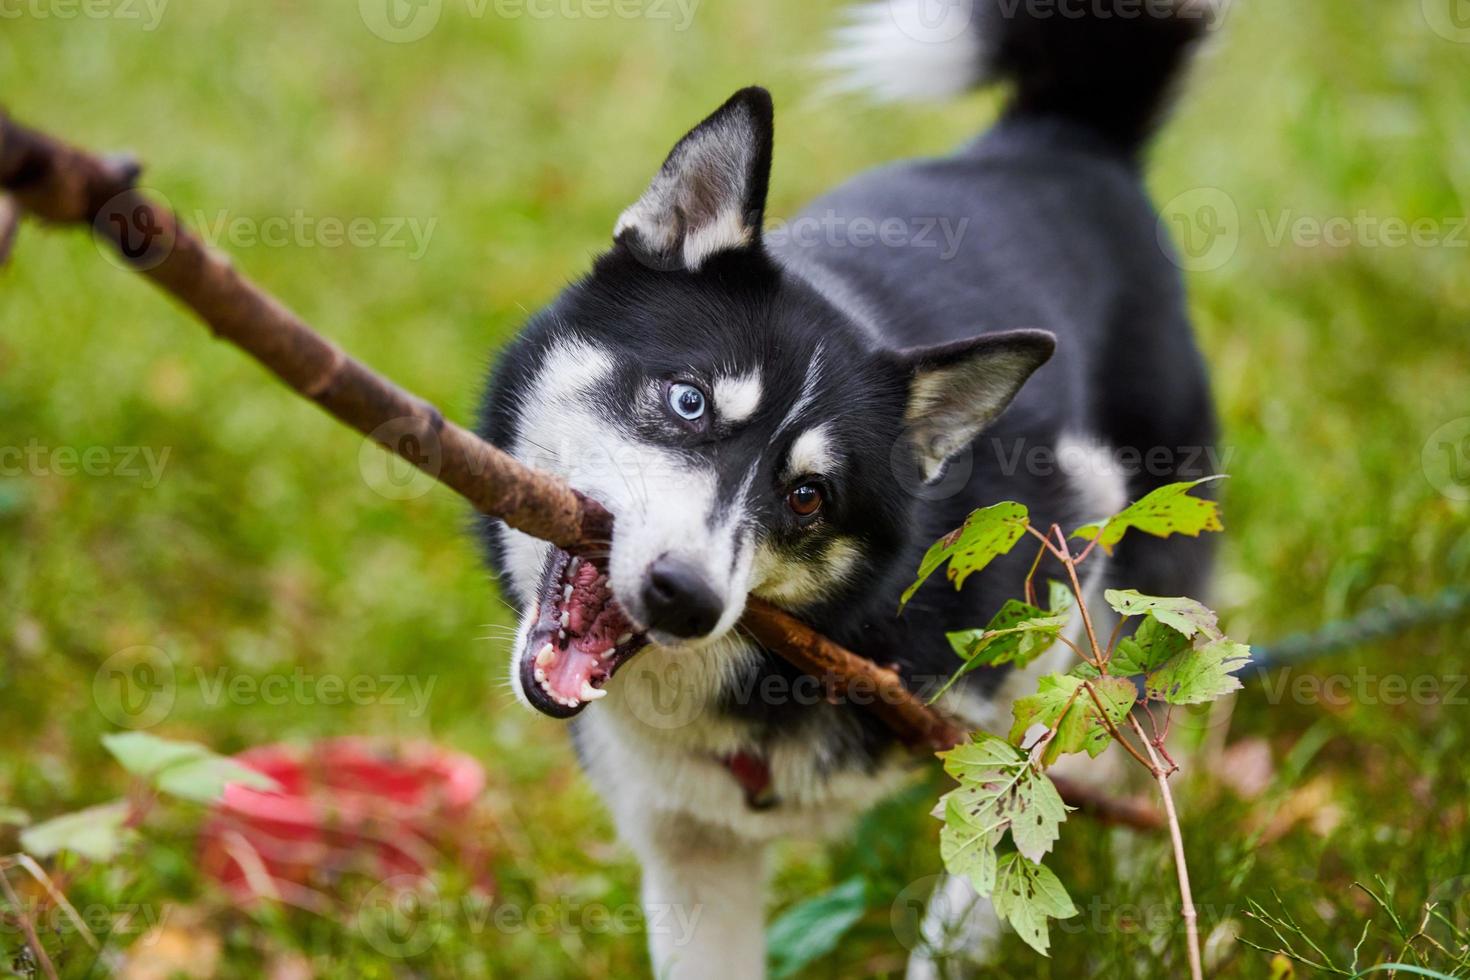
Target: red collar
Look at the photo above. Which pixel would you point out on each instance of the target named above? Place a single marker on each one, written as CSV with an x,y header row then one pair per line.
x,y
754,777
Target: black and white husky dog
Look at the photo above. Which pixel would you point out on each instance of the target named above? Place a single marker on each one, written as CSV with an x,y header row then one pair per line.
x,y
798,419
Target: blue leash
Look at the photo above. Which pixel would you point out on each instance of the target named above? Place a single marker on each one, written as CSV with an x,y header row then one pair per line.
x,y
1379,622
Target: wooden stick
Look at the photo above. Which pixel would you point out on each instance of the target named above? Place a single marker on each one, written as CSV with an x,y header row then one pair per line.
x,y
63,184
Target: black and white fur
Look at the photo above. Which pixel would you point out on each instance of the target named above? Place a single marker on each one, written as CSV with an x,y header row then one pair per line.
x,y
890,377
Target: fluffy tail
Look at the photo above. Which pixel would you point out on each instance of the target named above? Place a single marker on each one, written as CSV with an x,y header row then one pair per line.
x,y
1108,64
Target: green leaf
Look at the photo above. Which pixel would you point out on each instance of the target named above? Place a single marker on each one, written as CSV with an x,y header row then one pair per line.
x,y
1188,616
986,534
999,790
1059,596
1018,634
97,833
1036,828
183,769
969,852
1061,702
1150,646
812,928
1168,510
1027,894
986,757
1197,676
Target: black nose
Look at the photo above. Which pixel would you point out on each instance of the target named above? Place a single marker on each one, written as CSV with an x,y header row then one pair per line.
x,y
680,600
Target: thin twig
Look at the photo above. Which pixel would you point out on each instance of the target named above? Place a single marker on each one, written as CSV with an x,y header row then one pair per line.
x,y
1031,575
1071,566
1181,865
28,927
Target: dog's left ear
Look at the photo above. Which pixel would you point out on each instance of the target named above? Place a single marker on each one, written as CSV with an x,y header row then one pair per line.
x,y
710,194
956,390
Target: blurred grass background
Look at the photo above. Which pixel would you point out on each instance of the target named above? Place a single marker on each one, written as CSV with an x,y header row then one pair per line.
x,y
264,549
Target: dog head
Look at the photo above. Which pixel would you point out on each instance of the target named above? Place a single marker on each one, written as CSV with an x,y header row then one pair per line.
x,y
743,431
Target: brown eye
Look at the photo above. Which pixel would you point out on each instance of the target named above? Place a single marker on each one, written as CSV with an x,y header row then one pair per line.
x,y
805,500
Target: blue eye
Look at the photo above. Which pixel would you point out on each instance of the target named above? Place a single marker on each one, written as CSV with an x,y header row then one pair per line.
x,y
687,401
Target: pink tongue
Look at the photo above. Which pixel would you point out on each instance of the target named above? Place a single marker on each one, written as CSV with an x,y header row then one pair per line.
x,y
594,624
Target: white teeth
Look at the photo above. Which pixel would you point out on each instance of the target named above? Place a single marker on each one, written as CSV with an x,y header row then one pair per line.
x,y
590,693
540,676
624,638
572,568
566,619
566,594
561,635
545,656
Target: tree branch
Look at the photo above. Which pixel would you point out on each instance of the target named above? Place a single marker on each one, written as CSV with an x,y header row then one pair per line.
x,y
62,184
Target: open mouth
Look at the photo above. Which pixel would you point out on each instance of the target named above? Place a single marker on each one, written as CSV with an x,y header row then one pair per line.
x,y
579,637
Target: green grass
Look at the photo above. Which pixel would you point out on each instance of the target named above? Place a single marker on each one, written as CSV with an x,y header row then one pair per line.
x,y
263,549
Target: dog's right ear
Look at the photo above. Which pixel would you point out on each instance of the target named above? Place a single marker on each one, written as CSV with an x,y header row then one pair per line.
x,y
955,390
710,194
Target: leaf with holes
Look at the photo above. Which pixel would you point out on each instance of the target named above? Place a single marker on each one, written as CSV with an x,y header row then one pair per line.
x,y
1197,676
969,851
999,790
986,534
183,769
1168,510
97,833
1188,616
1062,702
1027,894
1151,645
